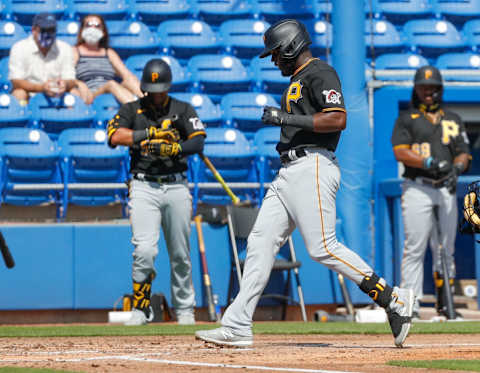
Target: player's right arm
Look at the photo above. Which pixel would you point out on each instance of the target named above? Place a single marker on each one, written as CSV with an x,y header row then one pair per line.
x,y
402,145
119,128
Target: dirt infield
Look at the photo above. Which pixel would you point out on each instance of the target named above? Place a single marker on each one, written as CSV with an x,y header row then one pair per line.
x,y
286,353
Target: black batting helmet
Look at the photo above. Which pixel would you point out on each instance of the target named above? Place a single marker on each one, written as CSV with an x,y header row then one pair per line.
x,y
156,76
289,35
428,75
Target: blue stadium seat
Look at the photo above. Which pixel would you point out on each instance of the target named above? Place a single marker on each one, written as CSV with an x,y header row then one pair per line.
x,y
267,77
321,34
456,11
233,157
384,37
131,37
5,12
243,110
55,114
432,37
459,61
268,159
10,33
218,74
67,31
471,31
180,79
152,12
398,12
12,114
87,159
108,9
275,10
187,38
29,157
319,8
105,107
243,37
23,11
5,84
215,12
399,61
207,111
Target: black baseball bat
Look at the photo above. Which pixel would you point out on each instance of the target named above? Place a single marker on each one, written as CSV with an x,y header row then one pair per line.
x,y
346,295
448,297
212,315
7,255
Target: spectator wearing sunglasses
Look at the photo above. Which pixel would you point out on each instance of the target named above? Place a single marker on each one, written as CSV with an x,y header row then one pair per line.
x,y
41,63
99,69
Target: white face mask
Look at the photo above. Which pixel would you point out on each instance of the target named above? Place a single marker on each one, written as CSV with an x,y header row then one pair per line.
x,y
92,35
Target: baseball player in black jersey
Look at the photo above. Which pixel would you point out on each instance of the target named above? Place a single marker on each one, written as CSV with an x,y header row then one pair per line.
x,y
303,193
160,131
432,144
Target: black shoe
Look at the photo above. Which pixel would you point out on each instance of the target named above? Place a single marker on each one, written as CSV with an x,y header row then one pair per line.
x,y
399,314
443,312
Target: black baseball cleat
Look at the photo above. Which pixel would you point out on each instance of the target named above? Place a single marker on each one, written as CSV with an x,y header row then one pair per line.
x,y
399,313
443,312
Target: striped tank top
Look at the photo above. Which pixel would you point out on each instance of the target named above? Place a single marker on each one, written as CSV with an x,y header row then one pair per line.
x,y
95,71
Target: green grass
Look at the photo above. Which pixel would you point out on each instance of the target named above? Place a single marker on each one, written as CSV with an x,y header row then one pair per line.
x,y
31,370
89,330
469,365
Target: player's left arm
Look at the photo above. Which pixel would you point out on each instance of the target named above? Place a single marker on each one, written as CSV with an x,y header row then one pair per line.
x,y
461,162
194,133
326,93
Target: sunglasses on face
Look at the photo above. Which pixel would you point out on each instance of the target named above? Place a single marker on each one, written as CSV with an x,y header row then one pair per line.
x,y
49,30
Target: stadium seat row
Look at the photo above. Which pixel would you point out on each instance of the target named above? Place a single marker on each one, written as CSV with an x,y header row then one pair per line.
x,y
241,110
81,169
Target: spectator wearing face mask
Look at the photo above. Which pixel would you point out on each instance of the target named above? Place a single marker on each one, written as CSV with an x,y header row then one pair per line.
x,y
99,69
41,63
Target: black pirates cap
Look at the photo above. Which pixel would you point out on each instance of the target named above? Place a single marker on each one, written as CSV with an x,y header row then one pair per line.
x,y
428,75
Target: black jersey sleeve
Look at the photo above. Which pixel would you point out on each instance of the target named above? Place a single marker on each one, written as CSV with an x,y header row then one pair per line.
x,y
191,123
327,91
401,135
123,119
462,144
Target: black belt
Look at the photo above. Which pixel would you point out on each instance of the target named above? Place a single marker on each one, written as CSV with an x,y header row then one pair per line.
x,y
292,155
161,179
434,183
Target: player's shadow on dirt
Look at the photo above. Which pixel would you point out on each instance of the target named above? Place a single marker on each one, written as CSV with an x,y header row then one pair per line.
x,y
301,344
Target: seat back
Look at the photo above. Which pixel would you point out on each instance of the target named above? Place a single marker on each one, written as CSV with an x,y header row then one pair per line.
x,y
87,158
105,107
28,157
455,10
218,74
243,37
54,114
234,159
67,31
459,61
267,77
180,79
207,111
471,32
5,84
243,110
215,12
275,10
399,12
23,11
399,61
131,37
152,12
319,8
10,33
432,37
321,34
268,159
383,36
187,37
108,9
12,114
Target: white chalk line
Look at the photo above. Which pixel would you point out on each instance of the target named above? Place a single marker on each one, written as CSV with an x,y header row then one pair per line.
x,y
177,362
